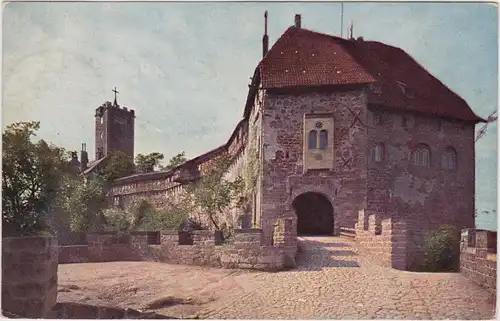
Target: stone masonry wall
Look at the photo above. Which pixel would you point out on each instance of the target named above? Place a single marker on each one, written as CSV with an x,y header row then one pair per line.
x,y
72,310
386,243
159,187
283,176
247,252
150,187
478,262
424,198
29,276
247,148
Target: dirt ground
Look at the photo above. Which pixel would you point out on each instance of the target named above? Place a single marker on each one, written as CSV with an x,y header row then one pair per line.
x,y
173,290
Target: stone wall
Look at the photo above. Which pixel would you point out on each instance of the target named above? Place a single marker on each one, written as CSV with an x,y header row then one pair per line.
x,y
247,251
283,174
478,257
424,197
29,276
153,186
158,187
71,310
386,244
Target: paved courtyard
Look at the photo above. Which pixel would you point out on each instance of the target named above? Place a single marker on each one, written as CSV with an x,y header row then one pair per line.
x,y
331,282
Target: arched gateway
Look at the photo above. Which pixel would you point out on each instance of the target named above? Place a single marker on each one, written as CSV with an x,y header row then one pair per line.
x,y
314,214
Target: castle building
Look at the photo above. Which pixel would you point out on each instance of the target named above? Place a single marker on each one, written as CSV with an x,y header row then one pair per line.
x,y
114,131
341,130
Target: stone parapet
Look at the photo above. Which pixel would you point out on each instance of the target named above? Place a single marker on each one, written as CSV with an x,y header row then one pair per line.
x,y
478,257
205,238
71,310
389,247
246,252
29,275
248,237
73,254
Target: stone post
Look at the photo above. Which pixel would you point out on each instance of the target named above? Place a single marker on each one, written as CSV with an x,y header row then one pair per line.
x,y
29,275
169,237
204,238
285,238
399,241
249,237
482,245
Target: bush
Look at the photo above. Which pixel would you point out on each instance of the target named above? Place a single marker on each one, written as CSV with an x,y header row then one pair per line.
x,y
441,250
139,211
171,216
117,221
158,220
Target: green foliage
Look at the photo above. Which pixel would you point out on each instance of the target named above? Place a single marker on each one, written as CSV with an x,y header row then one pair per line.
x,y
143,217
129,219
441,249
213,194
139,211
118,165
116,220
171,216
32,173
175,161
148,163
83,201
250,176
251,171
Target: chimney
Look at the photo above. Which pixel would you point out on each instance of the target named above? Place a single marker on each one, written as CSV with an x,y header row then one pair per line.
x,y
265,39
84,158
297,21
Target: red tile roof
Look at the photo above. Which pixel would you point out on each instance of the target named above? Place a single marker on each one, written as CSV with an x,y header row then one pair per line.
x,y
302,57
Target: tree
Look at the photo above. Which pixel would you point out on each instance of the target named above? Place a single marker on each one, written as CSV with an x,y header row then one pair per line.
x,y
213,194
83,201
148,163
176,161
171,215
118,165
32,173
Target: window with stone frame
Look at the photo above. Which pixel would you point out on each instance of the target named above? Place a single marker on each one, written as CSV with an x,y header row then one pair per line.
x,y
323,139
116,201
378,153
312,139
449,158
421,156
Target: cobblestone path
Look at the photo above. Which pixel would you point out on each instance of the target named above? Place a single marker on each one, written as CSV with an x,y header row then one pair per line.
x,y
333,282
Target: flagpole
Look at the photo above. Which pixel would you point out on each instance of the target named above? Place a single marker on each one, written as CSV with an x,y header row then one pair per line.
x,y
341,19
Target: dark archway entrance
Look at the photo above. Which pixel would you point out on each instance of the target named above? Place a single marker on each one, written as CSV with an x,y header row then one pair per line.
x,y
314,214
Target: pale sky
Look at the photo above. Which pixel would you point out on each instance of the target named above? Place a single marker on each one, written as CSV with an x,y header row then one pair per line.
x,y
185,67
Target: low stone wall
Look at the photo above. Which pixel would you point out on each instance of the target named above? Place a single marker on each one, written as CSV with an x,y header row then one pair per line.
x,y
70,310
29,276
478,257
74,254
246,252
385,244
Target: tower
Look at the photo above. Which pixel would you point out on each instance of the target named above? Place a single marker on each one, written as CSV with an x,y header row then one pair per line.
x,y
114,129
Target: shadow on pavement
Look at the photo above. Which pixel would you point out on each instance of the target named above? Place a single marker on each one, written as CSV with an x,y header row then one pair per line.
x,y
316,255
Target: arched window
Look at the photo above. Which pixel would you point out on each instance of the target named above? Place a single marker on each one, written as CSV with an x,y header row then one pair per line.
x,y
421,156
449,158
323,139
313,139
378,155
